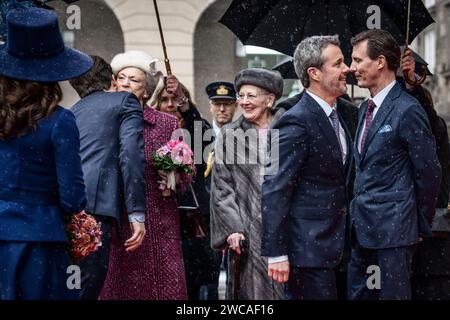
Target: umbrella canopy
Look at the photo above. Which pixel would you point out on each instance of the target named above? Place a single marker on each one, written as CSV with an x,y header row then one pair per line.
x,y
281,24
43,3
8,5
287,70
419,62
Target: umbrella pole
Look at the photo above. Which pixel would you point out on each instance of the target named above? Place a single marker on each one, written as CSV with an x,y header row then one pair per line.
x,y
407,23
166,59
423,73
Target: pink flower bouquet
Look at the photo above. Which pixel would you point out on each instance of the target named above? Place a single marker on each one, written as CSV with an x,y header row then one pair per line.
x,y
85,235
174,156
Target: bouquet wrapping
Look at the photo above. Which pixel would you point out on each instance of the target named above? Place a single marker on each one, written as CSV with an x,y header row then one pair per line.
x,y
85,235
174,157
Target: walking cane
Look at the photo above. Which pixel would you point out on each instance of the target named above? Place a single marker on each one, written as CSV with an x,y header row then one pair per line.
x,y
166,59
423,71
236,267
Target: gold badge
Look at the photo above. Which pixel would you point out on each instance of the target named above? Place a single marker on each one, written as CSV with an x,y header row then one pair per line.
x,y
222,91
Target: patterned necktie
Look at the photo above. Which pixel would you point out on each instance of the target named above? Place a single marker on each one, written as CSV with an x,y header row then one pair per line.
x,y
335,120
369,115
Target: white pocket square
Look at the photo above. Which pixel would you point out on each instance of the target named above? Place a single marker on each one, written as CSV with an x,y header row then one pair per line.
x,y
386,128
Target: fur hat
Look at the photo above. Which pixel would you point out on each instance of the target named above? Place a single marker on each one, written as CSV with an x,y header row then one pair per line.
x,y
135,59
265,79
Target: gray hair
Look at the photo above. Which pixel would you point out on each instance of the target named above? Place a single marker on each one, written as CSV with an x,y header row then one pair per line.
x,y
150,83
309,54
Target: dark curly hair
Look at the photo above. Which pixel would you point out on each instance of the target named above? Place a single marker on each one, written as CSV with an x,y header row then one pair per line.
x,y
23,104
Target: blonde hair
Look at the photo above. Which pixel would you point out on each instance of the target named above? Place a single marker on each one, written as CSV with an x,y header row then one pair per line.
x,y
155,99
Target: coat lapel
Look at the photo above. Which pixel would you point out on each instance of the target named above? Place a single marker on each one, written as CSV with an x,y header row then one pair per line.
x,y
380,117
350,152
348,140
361,118
326,128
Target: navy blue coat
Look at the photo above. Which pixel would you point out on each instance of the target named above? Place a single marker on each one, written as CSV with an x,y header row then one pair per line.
x,y
397,174
112,152
304,203
40,179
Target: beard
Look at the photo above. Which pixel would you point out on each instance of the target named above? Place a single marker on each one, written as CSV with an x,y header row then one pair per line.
x,y
335,87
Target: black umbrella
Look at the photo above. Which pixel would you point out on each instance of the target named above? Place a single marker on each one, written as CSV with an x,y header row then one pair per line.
x,y
281,24
419,62
287,70
8,5
43,3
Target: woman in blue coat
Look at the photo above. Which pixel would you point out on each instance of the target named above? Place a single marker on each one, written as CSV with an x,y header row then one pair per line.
x,y
40,171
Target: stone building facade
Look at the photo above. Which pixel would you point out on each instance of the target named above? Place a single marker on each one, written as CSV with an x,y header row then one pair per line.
x,y
202,50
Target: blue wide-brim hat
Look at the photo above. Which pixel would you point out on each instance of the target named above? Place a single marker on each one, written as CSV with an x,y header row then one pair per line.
x,y
35,51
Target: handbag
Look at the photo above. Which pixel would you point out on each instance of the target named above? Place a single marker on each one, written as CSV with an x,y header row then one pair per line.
x,y
193,219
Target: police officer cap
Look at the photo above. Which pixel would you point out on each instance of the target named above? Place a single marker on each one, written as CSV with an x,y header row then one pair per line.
x,y
221,90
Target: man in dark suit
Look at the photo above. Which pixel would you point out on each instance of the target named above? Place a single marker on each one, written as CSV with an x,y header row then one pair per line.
x,y
112,156
349,114
397,175
304,201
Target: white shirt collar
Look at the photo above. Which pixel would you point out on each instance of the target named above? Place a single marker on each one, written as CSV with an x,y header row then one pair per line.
x,y
216,128
380,96
323,104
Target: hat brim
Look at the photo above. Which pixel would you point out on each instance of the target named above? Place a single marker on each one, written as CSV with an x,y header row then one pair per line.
x,y
134,59
222,98
67,65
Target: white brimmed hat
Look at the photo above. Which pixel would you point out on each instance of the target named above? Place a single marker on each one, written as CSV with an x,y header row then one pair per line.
x,y
135,59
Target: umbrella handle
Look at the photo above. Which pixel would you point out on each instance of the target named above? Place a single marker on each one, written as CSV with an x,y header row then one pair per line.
x,y
416,82
422,73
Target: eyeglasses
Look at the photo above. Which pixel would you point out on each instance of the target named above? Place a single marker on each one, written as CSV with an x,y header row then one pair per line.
x,y
250,97
225,104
